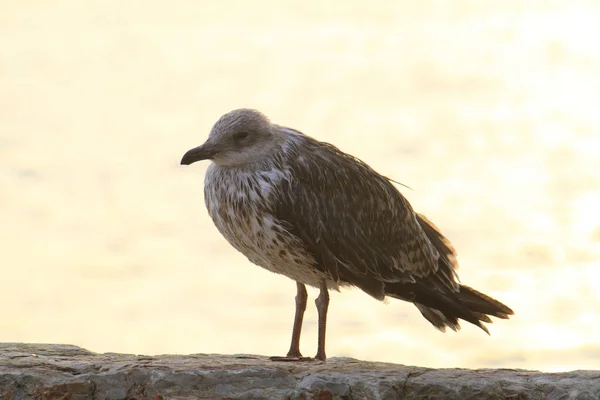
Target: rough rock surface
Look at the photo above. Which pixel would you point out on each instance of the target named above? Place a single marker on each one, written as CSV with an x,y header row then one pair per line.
x,y
47,371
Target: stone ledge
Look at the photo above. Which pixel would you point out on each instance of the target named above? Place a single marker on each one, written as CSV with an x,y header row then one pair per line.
x,y
50,371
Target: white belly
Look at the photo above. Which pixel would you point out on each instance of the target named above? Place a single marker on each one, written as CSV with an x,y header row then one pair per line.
x,y
240,206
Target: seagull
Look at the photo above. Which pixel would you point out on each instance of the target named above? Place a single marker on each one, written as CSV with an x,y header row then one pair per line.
x,y
304,209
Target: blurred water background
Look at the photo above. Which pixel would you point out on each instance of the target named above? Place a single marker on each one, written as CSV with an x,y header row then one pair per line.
x,y
488,110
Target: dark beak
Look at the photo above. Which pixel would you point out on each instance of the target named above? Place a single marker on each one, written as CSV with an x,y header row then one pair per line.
x,y
204,152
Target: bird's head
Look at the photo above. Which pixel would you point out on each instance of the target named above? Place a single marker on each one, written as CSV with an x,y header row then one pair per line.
x,y
238,138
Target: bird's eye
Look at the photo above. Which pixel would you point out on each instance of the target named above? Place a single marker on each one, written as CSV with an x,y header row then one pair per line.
x,y
240,136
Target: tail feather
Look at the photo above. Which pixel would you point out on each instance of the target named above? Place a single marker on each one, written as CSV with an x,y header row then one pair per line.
x,y
482,303
438,319
442,307
443,310
483,317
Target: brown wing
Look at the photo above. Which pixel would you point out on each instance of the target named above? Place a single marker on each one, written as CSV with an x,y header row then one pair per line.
x,y
354,221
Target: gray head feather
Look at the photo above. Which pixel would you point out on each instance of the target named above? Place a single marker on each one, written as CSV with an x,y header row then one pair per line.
x,y
241,137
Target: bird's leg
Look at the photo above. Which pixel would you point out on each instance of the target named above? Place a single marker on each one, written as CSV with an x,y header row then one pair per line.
x,y
322,303
294,353
301,297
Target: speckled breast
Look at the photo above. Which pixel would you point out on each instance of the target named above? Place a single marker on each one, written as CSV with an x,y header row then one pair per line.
x,y
240,203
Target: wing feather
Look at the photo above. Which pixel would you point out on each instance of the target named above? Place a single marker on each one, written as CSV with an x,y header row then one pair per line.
x,y
357,225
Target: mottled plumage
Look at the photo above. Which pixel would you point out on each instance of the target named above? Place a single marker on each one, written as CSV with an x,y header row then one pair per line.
x,y
307,210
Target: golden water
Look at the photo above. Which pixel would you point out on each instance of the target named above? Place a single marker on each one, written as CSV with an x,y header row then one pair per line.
x,y
489,111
